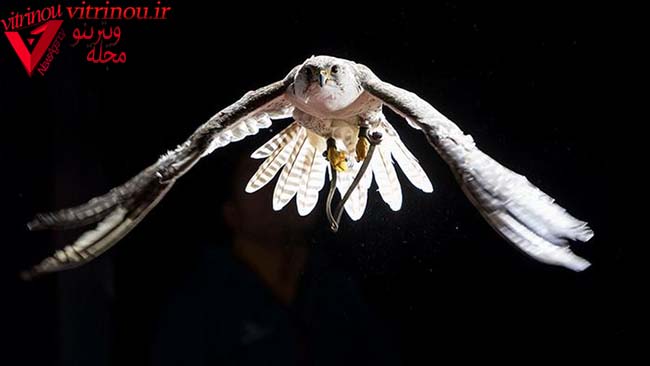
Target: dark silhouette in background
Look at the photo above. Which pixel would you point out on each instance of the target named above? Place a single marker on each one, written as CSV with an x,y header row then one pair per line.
x,y
528,82
269,298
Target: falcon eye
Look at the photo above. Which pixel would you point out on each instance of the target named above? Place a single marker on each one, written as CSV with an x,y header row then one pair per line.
x,y
335,69
308,72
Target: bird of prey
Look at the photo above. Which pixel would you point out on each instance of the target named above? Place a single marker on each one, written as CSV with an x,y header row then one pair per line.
x,y
340,131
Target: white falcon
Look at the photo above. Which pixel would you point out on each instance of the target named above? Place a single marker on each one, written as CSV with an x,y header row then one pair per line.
x,y
339,128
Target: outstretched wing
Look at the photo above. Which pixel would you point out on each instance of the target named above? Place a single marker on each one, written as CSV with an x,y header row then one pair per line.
x,y
515,208
122,208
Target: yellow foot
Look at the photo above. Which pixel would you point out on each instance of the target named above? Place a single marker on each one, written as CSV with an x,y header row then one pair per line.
x,y
337,159
362,148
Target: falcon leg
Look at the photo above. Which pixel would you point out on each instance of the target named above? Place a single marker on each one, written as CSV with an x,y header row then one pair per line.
x,y
363,144
335,217
338,159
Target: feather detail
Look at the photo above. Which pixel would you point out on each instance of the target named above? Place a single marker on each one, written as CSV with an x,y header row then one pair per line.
x,y
406,160
239,131
272,145
356,204
286,140
386,177
314,178
522,213
515,208
412,124
108,232
277,109
290,178
533,244
121,209
410,165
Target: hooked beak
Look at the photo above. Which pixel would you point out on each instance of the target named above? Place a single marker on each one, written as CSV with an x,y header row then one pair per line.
x,y
323,76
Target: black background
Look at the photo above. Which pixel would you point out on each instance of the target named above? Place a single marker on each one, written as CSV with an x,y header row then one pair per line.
x,y
526,82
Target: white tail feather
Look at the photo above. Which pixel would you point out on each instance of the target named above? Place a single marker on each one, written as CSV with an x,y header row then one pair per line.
x,y
268,148
410,166
270,167
356,204
314,178
386,177
406,161
298,152
290,178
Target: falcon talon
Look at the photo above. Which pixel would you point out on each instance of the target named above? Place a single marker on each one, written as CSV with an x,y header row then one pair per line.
x,y
338,159
363,144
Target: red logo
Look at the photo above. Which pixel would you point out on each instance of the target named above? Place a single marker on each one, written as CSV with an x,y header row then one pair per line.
x,y
45,34
37,36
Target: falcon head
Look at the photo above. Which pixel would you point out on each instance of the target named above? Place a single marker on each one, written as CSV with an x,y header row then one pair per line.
x,y
326,84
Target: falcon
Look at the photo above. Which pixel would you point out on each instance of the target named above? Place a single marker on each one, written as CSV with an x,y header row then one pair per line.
x,y
339,133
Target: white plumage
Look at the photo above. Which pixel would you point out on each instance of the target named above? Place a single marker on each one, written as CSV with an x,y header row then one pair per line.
x,y
331,99
287,185
406,161
278,150
313,178
299,151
